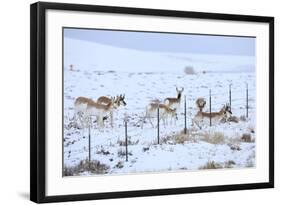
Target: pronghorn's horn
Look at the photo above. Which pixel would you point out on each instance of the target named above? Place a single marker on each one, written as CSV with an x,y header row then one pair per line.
x,y
182,88
123,96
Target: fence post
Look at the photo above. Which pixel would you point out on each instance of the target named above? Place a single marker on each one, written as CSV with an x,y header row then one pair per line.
x,y
185,130
126,139
247,101
230,96
158,122
89,126
210,104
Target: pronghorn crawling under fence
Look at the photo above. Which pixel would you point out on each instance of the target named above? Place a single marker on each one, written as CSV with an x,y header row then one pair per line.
x,y
216,117
174,102
164,113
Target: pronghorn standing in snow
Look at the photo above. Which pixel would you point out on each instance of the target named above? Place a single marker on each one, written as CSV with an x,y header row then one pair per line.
x,y
100,110
216,117
174,102
86,107
120,100
164,113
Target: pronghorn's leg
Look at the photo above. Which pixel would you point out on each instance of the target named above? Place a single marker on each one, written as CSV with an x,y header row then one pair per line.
x,y
164,121
80,118
101,123
150,122
194,121
99,120
111,118
143,120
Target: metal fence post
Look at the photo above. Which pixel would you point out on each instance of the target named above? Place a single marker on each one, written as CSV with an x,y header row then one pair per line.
x,y
247,101
210,104
185,129
158,122
126,139
89,126
230,96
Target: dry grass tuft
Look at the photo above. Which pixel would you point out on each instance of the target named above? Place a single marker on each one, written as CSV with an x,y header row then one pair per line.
x,y
213,138
246,137
215,165
84,166
178,138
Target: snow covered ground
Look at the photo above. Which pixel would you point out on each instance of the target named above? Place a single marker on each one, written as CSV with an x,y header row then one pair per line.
x,y
142,76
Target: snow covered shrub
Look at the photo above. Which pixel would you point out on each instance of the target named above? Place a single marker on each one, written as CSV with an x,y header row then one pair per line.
x,y
211,165
246,137
189,70
130,142
229,164
119,165
122,153
251,160
213,138
181,138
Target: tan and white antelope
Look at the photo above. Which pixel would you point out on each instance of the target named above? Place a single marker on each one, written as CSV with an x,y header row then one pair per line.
x,y
174,102
100,110
216,117
164,113
86,107
119,100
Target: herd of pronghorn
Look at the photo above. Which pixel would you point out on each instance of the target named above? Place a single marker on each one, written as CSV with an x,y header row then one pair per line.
x,y
85,108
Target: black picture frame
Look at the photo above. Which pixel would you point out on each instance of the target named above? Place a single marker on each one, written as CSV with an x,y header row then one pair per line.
x,y
38,101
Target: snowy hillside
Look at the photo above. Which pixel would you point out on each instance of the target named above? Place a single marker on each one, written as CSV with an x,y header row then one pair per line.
x,y
94,56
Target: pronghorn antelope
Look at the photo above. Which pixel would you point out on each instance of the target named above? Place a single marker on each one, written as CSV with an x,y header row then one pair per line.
x,y
86,107
216,117
174,102
80,107
100,110
120,100
164,113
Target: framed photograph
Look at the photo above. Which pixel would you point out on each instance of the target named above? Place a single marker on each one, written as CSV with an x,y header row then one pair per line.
x,y
129,102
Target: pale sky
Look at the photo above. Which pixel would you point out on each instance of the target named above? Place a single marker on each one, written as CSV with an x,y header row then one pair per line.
x,y
164,42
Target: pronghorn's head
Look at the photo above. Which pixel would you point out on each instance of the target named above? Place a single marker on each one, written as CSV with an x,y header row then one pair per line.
x,y
121,100
179,91
201,102
226,110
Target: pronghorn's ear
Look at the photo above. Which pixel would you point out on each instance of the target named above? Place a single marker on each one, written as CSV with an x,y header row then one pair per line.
x,y
177,89
182,89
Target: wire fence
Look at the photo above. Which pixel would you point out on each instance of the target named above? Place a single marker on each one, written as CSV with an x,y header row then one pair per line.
x,y
214,100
